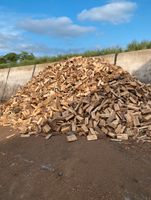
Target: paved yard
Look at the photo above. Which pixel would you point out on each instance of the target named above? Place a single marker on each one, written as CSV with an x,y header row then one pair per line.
x,y
36,169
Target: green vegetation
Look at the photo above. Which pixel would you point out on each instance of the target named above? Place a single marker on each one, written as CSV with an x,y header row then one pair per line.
x,y
102,51
13,59
134,46
25,58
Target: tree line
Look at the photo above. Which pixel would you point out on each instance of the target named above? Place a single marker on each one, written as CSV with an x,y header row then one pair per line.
x,y
24,58
16,58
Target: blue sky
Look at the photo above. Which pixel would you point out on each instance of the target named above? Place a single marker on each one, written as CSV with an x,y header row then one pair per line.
x,y
51,27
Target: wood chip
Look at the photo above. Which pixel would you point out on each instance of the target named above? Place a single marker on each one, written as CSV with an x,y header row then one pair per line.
x,y
10,136
48,136
25,135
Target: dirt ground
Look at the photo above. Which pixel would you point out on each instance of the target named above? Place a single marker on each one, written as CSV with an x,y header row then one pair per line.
x,y
37,169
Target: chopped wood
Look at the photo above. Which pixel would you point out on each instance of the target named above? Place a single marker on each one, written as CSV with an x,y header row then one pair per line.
x,y
40,121
86,120
86,96
74,127
48,136
84,127
146,111
78,117
112,117
112,135
116,107
90,108
25,135
128,117
46,128
102,122
93,115
118,129
122,136
133,107
132,100
92,137
136,121
65,129
116,140
71,138
92,131
115,123
147,117
95,123
10,136
69,117
104,130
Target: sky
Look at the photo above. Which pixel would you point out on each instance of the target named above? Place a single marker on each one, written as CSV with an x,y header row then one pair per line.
x,y
52,27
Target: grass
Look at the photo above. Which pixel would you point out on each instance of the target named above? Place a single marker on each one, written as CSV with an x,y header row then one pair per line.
x,y
133,46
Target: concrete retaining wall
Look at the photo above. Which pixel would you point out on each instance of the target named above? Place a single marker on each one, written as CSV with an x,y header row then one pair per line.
x,y
40,68
4,73
138,63
18,76
110,58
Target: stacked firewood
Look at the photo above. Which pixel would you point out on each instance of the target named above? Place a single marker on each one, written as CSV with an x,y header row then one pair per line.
x,y
82,96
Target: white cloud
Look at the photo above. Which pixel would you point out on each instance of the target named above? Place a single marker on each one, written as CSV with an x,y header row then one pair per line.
x,y
57,27
9,39
14,39
15,42
115,12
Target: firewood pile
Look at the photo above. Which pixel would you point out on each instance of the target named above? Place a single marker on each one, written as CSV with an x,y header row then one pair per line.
x,y
81,97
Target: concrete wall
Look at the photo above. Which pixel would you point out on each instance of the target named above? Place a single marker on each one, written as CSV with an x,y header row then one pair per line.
x,y
4,73
41,67
138,63
110,58
18,76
